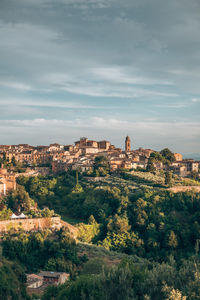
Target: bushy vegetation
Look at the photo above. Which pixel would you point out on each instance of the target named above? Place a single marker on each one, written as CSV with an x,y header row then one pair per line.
x,y
146,222
5,212
158,179
42,250
154,233
88,232
135,281
20,201
147,178
12,281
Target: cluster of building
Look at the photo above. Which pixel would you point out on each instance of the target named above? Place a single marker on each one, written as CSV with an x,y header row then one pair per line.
x,y
184,168
82,153
79,155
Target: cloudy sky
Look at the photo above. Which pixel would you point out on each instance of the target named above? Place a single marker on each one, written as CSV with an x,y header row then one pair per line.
x,y
101,69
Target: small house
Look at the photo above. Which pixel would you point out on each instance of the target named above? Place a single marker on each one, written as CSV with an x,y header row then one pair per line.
x,y
54,277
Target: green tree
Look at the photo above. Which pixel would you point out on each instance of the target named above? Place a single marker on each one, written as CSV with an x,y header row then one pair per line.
x,y
156,156
101,164
91,220
12,281
194,175
5,213
78,188
19,200
168,178
168,155
150,165
118,224
172,240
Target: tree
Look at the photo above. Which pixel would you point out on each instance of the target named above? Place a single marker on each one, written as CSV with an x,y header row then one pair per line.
x,y
150,165
168,178
5,213
19,200
172,240
78,188
194,175
119,224
172,294
101,164
156,156
168,155
13,161
91,220
12,281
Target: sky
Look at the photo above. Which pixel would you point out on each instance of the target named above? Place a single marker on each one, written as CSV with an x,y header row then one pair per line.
x,y
102,69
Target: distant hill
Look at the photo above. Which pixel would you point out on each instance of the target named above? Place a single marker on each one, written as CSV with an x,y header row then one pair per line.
x,y
195,156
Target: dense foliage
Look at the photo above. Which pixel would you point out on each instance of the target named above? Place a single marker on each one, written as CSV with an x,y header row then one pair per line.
x,y
19,200
158,229
135,281
12,281
42,250
147,222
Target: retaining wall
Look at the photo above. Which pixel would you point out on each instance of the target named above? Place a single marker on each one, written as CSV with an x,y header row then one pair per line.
x,y
34,224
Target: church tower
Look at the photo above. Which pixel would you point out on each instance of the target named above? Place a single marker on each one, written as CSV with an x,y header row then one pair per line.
x,y
128,144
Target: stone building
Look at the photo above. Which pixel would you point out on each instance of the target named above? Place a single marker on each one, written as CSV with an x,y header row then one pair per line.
x,y
185,167
55,147
54,277
84,143
178,156
7,181
89,150
103,145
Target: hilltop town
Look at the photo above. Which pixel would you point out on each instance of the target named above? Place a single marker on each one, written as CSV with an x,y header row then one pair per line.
x,y
68,210
81,156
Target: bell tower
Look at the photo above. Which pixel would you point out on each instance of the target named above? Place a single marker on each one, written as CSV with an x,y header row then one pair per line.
x,y
128,144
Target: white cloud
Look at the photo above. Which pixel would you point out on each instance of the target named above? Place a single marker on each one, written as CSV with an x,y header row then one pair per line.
x,y
138,50
184,129
195,100
88,83
179,136
16,85
48,103
121,75
105,90
173,105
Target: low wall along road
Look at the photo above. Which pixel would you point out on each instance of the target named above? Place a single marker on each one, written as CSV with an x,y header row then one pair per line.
x,y
35,224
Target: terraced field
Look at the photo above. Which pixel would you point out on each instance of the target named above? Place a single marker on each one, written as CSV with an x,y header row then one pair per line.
x,y
136,179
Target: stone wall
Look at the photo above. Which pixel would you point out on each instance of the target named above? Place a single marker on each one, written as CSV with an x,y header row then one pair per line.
x,y
34,224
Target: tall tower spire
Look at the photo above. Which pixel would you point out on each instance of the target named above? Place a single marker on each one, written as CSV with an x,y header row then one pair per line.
x,y
128,144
